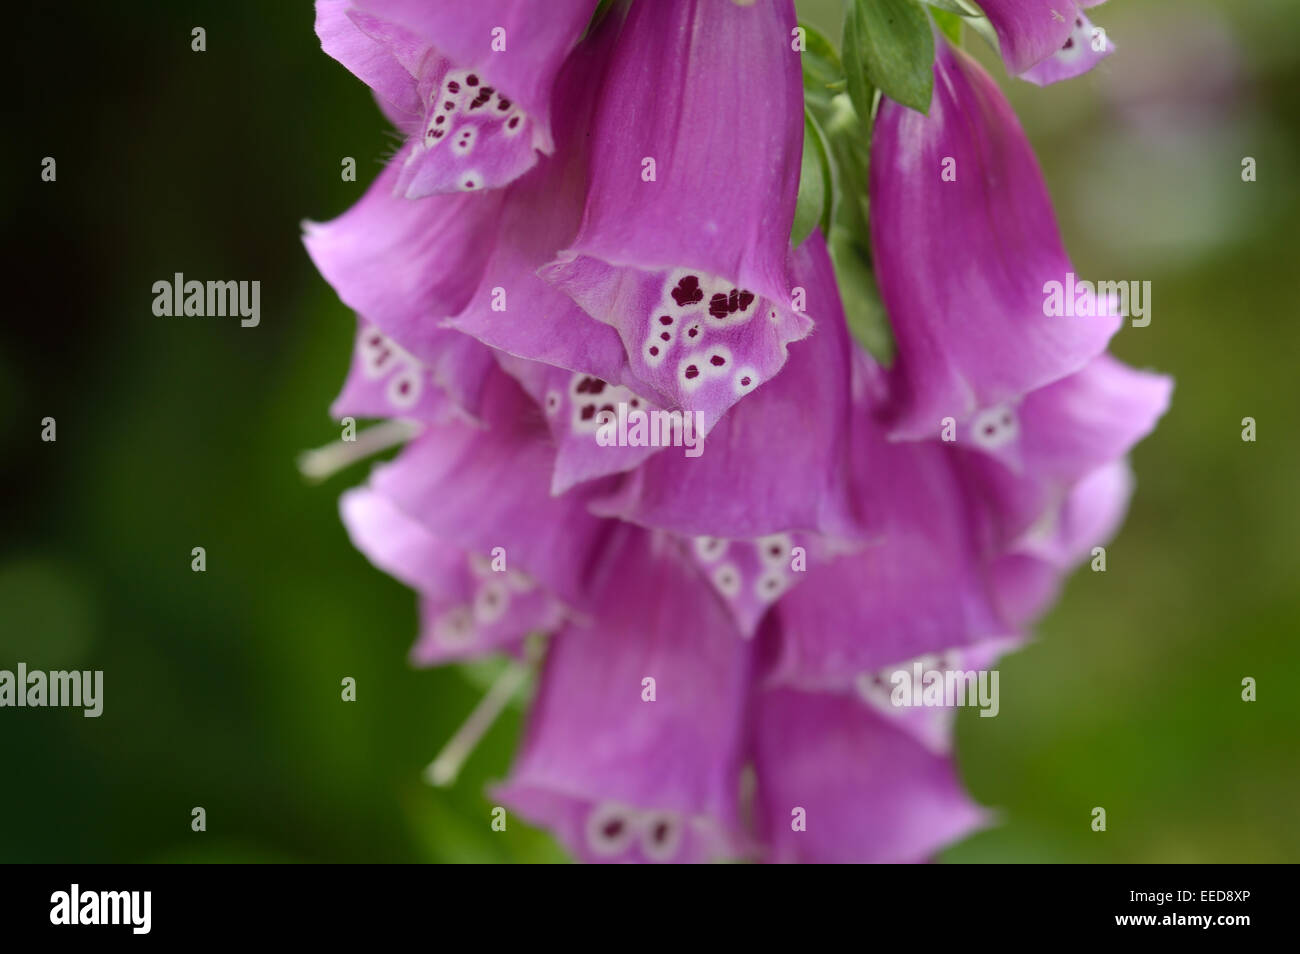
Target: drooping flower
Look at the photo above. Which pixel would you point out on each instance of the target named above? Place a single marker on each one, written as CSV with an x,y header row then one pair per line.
x,y
1028,574
1047,42
469,84
466,608
622,768
386,380
693,179
917,586
483,487
722,627
864,789
1025,459
404,266
962,258
739,488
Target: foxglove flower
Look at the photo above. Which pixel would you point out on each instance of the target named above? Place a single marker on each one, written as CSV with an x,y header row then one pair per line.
x,y
1046,42
919,586
962,262
721,628
691,198
868,791
622,778
738,489
475,107
403,265
1027,457
466,608
1028,574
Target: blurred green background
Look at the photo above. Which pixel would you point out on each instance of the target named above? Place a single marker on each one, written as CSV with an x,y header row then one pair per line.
x,y
222,689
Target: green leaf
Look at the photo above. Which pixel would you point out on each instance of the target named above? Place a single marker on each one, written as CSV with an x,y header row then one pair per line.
x,y
861,93
813,206
863,309
949,23
838,100
967,14
848,141
963,8
823,74
888,44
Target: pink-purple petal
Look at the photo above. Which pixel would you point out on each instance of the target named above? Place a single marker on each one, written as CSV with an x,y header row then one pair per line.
x,y
1076,57
962,264
384,57
692,196
467,607
778,460
484,487
867,790
537,37
596,741
1028,577
1035,33
1059,434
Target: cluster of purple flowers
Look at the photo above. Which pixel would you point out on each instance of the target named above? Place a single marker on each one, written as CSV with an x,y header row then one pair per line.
x,y
595,213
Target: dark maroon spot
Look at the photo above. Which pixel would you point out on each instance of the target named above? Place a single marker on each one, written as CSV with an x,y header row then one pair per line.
x,y
1078,22
744,382
440,120
449,106
717,361
503,105
988,430
437,134
665,319
693,332
634,403
469,183
654,351
688,291
588,412
376,340
513,123
453,86
720,305
612,828
692,372
1069,44
481,99
665,336
404,387
609,408
472,80
775,551
660,833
